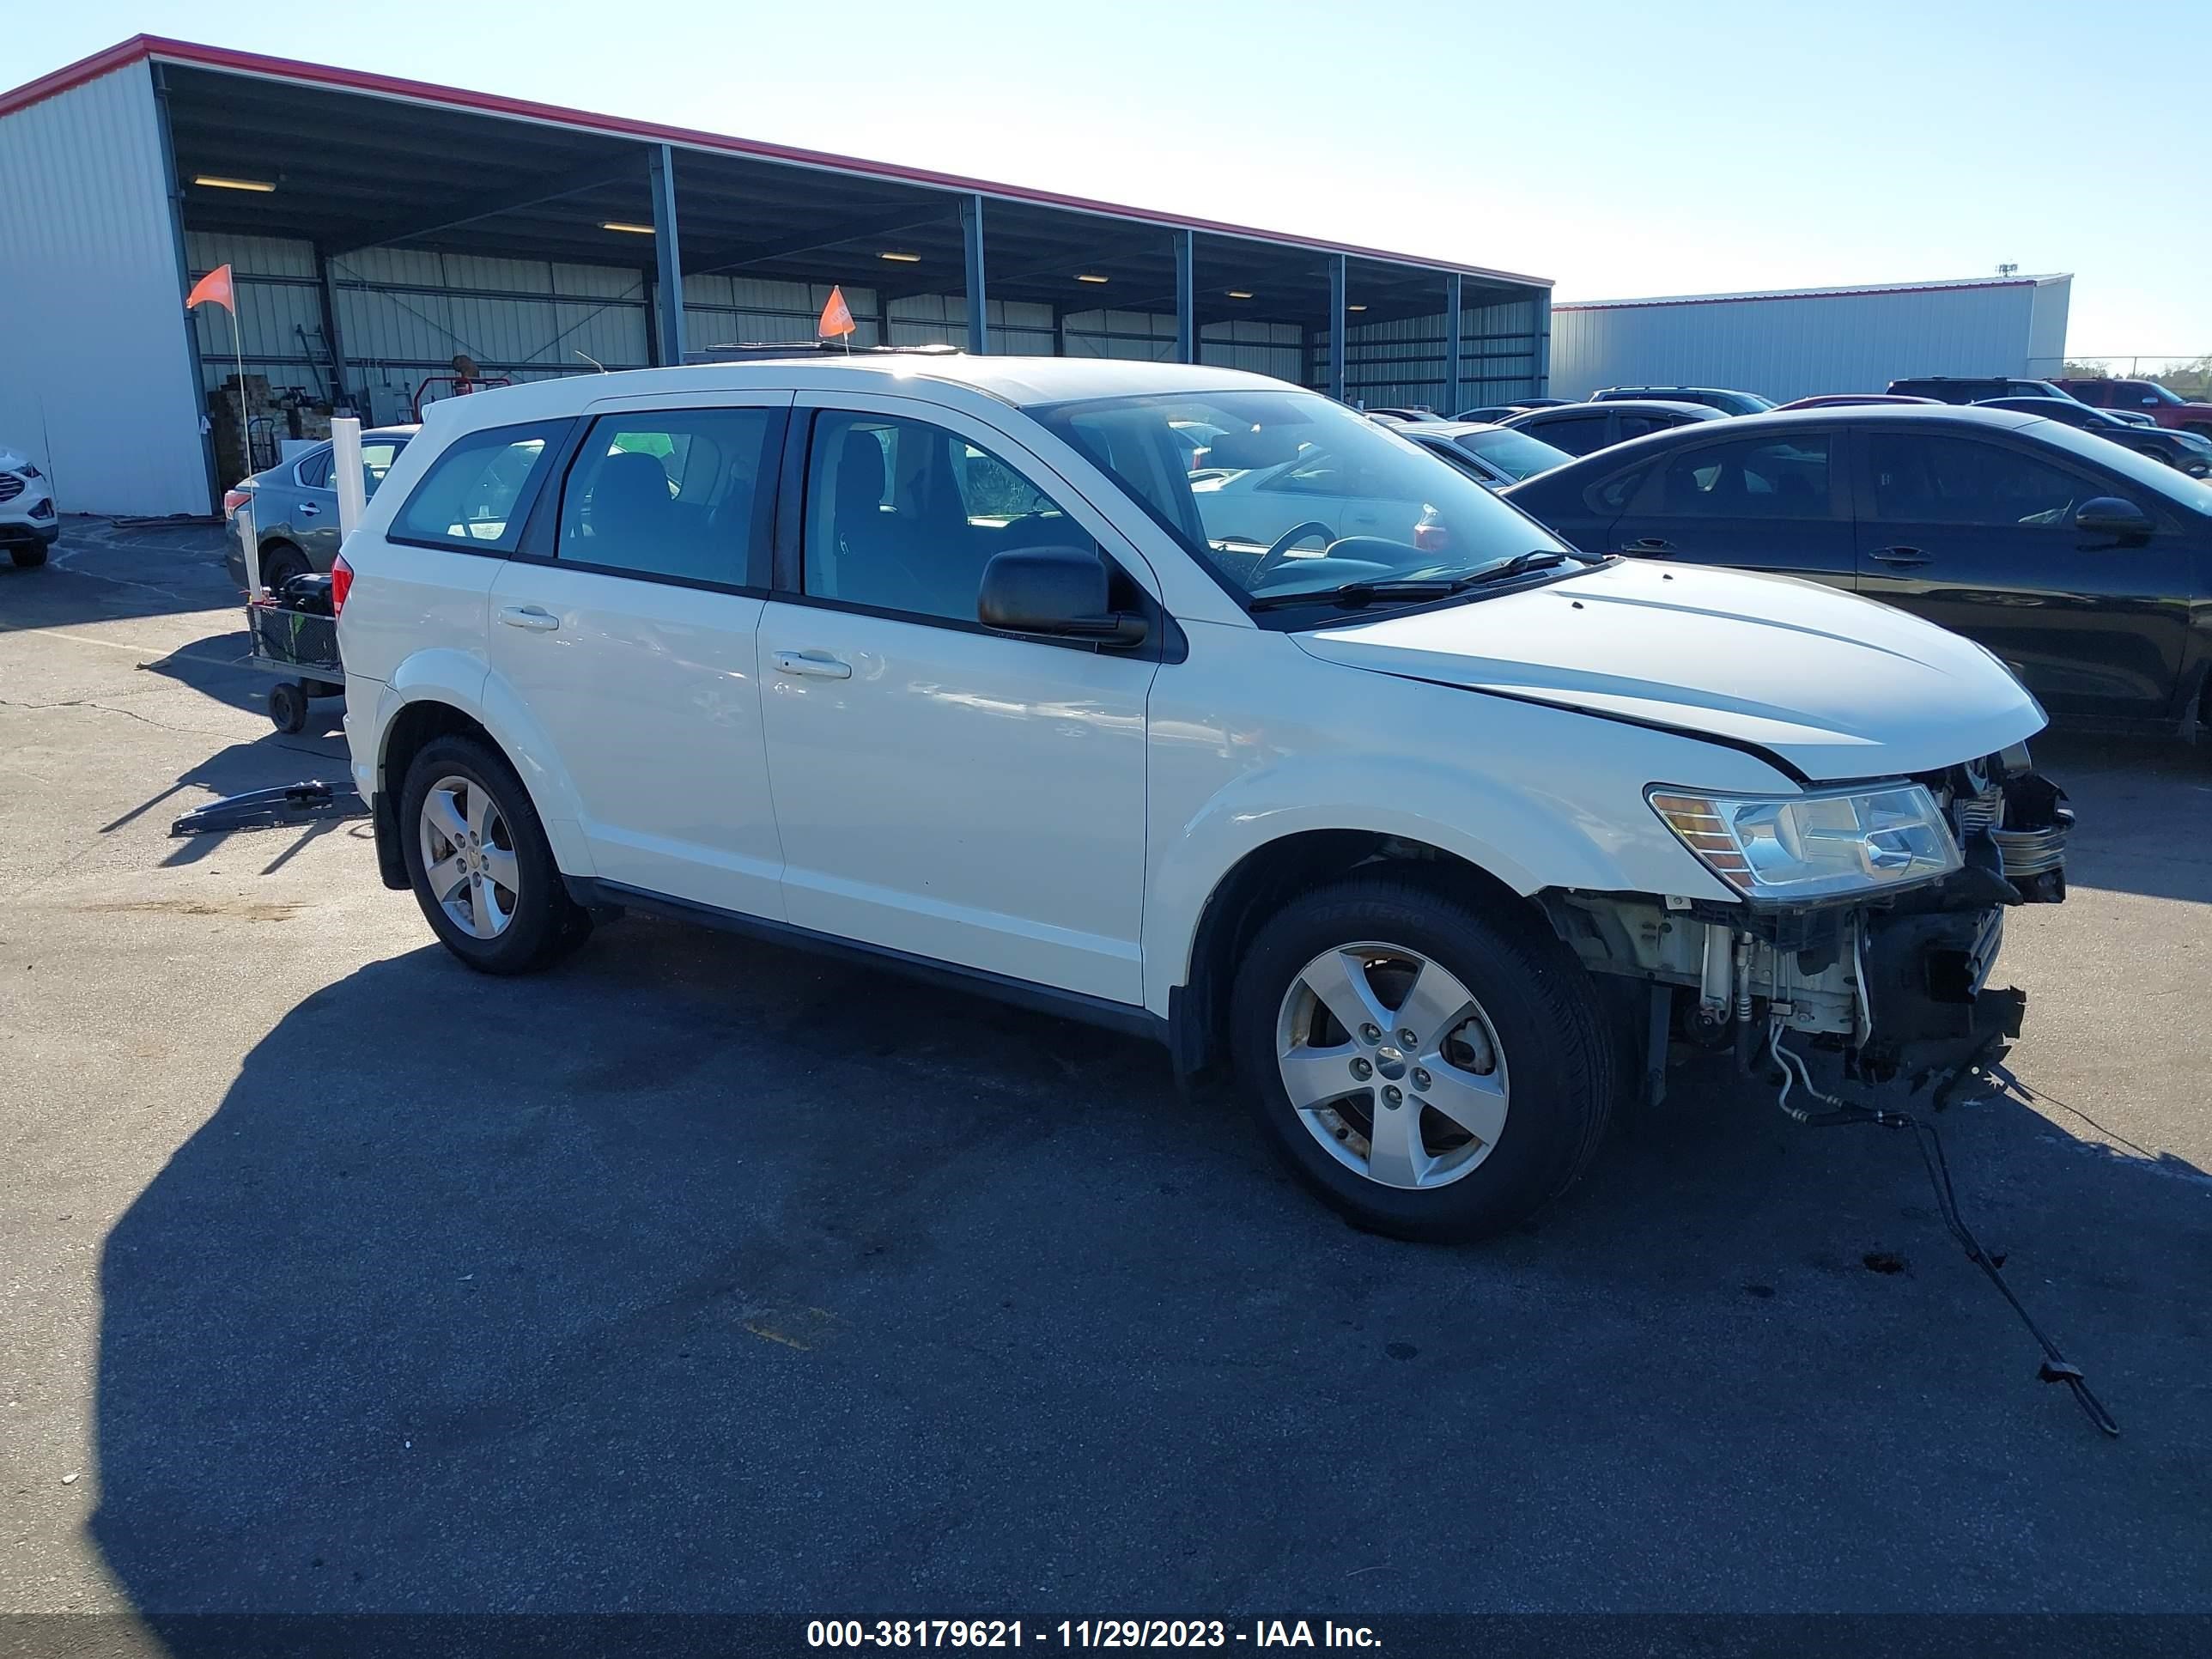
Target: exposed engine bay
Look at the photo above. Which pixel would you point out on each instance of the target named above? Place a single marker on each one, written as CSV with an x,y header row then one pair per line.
x,y
1897,984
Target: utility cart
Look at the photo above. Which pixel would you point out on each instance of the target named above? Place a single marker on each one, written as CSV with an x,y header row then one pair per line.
x,y
294,635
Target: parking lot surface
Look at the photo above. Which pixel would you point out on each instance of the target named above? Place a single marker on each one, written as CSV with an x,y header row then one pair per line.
x,y
698,1276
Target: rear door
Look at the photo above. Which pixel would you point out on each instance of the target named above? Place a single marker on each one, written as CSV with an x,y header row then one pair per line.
x,y
624,625
1977,535
1777,500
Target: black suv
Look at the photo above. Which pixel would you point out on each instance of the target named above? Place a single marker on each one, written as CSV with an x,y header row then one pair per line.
x,y
1946,389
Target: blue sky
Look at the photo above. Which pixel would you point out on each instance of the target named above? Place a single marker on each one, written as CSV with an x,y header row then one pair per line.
x,y
1623,146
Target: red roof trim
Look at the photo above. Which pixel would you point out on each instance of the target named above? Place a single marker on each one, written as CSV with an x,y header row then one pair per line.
x,y
1801,293
387,86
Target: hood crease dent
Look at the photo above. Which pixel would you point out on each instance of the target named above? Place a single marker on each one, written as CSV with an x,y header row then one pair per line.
x,y
1838,686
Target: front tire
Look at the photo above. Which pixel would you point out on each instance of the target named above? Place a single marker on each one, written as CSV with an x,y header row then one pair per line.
x,y
27,555
1432,1070
479,862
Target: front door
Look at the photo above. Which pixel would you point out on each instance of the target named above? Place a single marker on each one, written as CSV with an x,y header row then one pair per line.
x,y
942,790
629,634
1978,536
1777,501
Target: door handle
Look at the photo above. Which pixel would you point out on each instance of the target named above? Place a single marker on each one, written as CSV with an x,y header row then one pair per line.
x,y
820,665
308,510
1902,557
529,616
1651,546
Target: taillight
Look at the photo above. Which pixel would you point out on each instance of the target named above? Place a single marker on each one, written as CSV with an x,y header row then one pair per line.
x,y
234,499
341,584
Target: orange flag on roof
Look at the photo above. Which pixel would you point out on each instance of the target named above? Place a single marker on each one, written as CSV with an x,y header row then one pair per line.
x,y
215,287
837,317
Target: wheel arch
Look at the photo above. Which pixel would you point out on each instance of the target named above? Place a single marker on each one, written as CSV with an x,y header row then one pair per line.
x,y
1261,881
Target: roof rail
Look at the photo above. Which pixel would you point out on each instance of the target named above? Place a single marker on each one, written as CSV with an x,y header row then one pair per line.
x,y
746,351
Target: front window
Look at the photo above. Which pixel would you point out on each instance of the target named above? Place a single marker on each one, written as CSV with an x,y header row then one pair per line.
x,y
1297,493
2152,392
1515,452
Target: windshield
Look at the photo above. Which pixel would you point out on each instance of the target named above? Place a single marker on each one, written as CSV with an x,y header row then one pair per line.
x,y
1294,492
1750,403
1516,452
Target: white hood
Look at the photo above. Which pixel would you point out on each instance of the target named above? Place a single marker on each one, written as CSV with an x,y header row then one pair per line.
x,y
12,460
1838,686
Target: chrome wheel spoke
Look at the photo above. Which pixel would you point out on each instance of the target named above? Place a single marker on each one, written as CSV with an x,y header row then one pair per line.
x,y
1476,1103
1314,1077
1396,1155
482,813
444,813
1435,1002
1339,981
503,868
447,877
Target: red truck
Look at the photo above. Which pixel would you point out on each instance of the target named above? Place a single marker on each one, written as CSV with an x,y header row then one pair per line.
x,y
2163,405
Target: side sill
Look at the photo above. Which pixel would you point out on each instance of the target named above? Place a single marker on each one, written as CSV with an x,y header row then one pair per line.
x,y
1128,1019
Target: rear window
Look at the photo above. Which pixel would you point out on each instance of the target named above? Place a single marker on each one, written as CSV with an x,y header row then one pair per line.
x,y
478,492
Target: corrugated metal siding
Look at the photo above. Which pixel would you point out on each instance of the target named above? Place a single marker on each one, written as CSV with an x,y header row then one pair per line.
x,y
1800,347
404,313
738,310
97,382
2046,329
1018,328
1402,361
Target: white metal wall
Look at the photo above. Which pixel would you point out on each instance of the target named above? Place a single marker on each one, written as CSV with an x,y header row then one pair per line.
x,y
95,373
1800,345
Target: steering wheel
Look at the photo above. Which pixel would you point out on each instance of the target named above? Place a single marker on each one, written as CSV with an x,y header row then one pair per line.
x,y
1279,549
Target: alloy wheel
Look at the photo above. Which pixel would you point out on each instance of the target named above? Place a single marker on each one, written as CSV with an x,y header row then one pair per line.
x,y
468,857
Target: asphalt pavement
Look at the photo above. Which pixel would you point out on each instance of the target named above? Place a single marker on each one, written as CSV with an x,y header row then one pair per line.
x,y
696,1276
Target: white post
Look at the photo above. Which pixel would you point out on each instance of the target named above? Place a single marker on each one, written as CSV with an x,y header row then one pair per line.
x,y
252,543
346,474
245,424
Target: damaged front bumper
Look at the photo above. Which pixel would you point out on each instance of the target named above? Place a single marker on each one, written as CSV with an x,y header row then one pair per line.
x,y
1899,985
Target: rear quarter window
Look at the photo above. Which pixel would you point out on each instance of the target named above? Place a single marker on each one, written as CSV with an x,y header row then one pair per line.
x,y
478,493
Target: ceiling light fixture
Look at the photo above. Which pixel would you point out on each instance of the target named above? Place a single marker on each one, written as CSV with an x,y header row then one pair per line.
x,y
1088,276
616,224
1355,307
901,258
260,186
1238,294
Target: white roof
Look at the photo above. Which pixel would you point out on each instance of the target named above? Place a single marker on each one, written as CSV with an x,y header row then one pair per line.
x,y
1821,293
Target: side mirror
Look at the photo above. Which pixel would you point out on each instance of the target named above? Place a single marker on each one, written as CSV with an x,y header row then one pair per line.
x,y
1058,593
2108,515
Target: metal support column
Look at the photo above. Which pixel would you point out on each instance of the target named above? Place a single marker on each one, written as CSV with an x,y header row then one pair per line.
x,y
1542,306
1186,301
1454,302
1336,326
668,314
971,232
176,190
331,339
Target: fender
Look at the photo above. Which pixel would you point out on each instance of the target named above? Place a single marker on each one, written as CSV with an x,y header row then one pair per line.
x,y
1578,832
465,681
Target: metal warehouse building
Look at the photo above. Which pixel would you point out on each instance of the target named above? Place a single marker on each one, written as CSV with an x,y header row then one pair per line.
x,y
378,228
1802,342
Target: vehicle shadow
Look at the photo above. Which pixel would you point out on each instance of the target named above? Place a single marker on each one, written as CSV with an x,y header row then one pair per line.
x,y
102,570
694,1276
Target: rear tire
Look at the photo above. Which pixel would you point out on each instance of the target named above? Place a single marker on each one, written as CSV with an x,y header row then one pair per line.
x,y
280,562
288,707
1500,1100
28,555
479,862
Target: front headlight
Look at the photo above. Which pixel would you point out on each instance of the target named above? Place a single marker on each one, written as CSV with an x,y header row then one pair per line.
x,y
1811,846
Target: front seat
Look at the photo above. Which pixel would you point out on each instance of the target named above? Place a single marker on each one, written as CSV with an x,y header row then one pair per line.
x,y
630,506
872,562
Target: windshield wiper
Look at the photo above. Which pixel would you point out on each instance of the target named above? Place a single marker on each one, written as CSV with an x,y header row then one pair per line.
x,y
1353,594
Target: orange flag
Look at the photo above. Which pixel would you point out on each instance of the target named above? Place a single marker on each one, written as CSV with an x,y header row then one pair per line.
x,y
215,287
837,317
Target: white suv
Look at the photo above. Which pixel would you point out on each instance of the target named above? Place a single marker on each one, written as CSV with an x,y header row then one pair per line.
x,y
27,525
1443,833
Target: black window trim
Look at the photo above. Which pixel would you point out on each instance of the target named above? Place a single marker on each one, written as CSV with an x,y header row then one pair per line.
x,y
1164,640
539,543
2158,509
557,443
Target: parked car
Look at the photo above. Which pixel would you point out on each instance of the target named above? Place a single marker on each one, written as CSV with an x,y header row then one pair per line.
x,y
1583,429
1729,403
28,524
296,506
1408,412
1961,389
2162,405
1489,454
2085,567
1840,399
942,662
2185,450
1490,414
